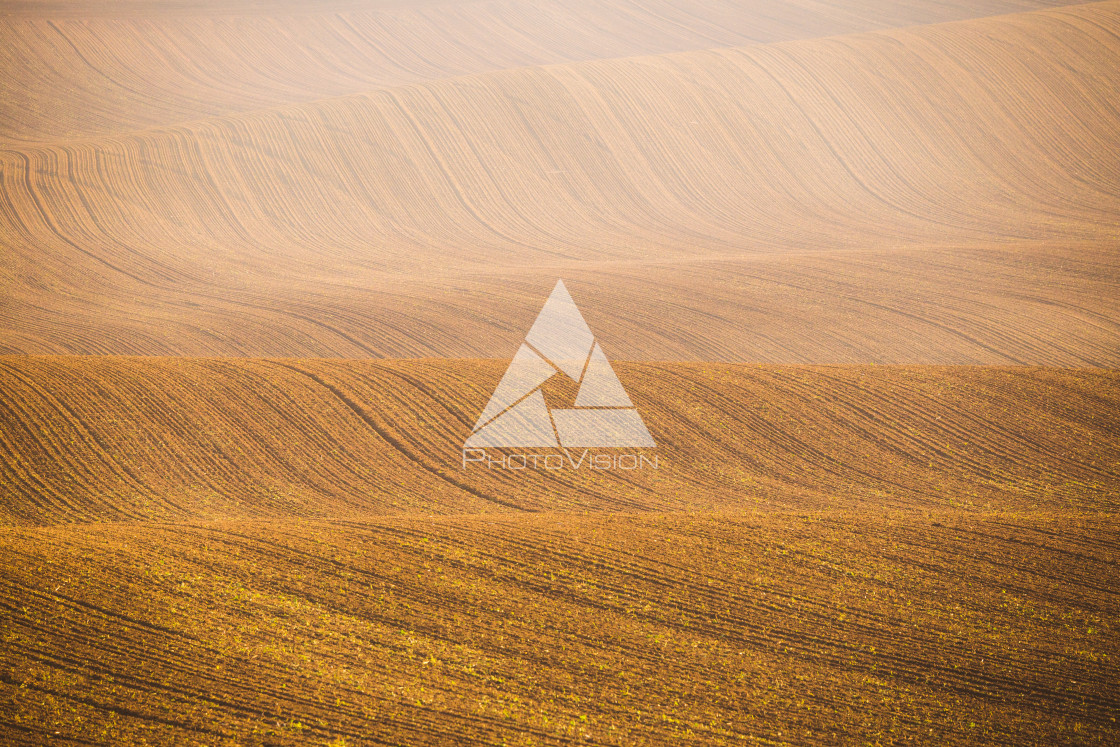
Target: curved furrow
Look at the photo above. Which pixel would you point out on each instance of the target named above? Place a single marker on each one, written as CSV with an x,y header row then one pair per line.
x,y
491,626
165,438
968,214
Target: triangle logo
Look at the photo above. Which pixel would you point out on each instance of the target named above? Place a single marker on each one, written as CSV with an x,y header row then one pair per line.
x,y
559,344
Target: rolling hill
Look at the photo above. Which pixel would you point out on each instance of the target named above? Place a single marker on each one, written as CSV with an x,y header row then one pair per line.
x,y
72,68
170,439
263,263
927,214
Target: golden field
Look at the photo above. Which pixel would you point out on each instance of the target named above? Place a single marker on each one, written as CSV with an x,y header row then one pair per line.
x,y
174,439
854,262
769,627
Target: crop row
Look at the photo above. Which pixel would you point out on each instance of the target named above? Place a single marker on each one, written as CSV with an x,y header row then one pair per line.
x,y
795,628
95,439
871,198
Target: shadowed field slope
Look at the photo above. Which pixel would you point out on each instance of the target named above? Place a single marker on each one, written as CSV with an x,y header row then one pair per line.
x,y
112,439
943,194
823,628
72,69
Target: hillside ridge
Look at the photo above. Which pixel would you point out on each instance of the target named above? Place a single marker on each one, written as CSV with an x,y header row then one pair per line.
x,y
179,439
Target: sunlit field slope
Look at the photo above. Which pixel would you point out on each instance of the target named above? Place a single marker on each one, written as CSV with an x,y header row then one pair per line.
x,y
940,194
115,439
773,628
76,68
263,263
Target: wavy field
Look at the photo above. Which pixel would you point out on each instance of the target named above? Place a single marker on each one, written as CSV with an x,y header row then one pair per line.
x,y
768,628
855,262
114,439
926,213
75,68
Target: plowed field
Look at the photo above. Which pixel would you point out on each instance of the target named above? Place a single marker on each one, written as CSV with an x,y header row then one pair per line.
x,y
771,628
873,197
855,263
174,439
